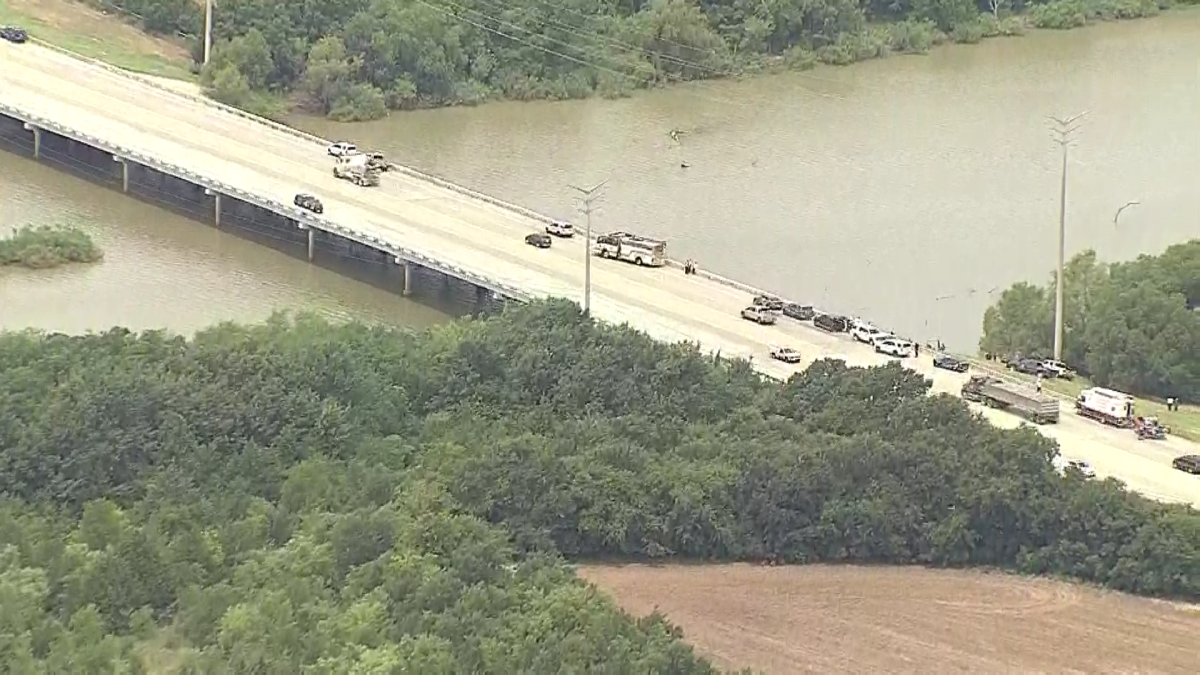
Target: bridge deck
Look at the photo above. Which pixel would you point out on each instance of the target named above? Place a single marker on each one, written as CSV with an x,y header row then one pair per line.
x,y
473,234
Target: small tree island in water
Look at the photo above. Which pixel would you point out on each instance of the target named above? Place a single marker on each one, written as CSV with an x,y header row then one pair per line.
x,y
48,246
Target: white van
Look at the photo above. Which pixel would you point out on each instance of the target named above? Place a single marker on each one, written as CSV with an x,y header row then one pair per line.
x,y
560,229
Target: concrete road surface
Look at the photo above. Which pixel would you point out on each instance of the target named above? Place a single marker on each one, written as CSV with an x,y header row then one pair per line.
x,y
476,235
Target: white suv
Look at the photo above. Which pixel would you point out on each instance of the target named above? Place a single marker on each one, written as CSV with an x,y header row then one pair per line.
x,y
865,332
342,149
560,229
894,347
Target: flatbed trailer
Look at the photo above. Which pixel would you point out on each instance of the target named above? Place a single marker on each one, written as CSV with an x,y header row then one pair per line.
x,y
1018,399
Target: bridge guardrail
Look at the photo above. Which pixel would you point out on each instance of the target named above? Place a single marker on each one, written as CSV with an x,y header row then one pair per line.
x,y
409,171
301,216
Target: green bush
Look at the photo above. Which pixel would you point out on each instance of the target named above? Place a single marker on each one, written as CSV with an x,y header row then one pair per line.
x,y
48,246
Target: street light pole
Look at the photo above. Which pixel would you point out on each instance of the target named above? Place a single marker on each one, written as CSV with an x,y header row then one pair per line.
x,y
1063,129
590,195
208,12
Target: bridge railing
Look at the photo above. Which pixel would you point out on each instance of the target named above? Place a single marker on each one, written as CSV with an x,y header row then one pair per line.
x,y
301,216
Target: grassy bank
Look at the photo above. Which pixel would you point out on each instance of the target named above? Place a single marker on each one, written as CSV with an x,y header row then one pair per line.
x,y
99,35
1184,423
46,246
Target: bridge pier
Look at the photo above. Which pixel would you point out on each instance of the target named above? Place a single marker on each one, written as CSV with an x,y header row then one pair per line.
x,y
311,243
124,172
408,284
482,297
37,139
216,206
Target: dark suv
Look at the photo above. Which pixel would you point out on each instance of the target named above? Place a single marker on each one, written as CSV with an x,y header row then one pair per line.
x,y
1188,463
768,302
309,202
14,34
831,323
799,312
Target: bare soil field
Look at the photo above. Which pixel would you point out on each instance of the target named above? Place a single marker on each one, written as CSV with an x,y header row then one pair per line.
x,y
843,619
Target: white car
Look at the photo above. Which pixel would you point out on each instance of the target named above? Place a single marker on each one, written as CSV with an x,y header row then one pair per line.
x,y
894,347
342,149
1063,465
865,332
560,229
785,354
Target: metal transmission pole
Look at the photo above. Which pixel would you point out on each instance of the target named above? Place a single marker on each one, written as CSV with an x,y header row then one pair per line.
x,y
1063,129
590,195
208,10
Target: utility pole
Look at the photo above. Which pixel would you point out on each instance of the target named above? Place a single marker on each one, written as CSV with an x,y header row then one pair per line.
x,y
1063,130
208,10
590,195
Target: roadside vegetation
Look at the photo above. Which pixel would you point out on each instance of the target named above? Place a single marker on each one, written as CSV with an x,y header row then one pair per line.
x,y
105,36
300,496
48,246
1132,326
358,59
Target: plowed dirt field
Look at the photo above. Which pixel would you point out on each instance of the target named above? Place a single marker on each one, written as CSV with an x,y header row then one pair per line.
x,y
831,619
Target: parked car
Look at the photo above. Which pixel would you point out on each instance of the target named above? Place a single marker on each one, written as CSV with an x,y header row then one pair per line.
x,y
893,346
831,323
785,354
1064,464
947,362
799,312
1188,463
560,229
377,161
538,240
865,332
1029,367
768,302
14,34
759,315
342,148
309,203
1058,369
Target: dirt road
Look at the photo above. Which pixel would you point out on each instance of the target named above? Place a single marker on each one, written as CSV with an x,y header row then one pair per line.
x,y
835,619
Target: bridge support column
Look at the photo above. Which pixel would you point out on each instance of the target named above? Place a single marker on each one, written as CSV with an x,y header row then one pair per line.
x,y
408,282
482,296
311,244
124,173
216,206
37,139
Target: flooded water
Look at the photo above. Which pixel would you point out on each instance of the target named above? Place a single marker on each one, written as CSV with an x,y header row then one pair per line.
x,y
905,190
161,270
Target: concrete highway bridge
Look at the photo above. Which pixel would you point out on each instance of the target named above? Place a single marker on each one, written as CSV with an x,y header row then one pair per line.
x,y
239,171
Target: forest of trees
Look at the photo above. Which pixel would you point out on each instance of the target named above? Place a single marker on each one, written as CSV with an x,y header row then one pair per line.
x,y
1133,326
355,59
302,497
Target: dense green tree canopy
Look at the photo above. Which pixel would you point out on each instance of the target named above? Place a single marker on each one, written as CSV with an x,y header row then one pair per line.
x,y
354,59
305,497
1134,326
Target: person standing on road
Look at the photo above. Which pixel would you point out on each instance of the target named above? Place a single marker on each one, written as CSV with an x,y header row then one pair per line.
x,y
1039,383
1171,404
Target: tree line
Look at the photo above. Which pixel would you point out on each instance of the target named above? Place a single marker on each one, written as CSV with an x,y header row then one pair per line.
x,y
1133,326
357,59
300,496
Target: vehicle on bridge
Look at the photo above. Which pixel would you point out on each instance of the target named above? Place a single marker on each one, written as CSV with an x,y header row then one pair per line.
x,y
893,346
764,317
1025,401
538,240
14,34
560,228
831,323
1106,406
786,354
1064,464
1149,428
376,160
1057,369
357,169
768,302
799,312
632,248
1187,463
342,149
309,203
948,362
868,334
